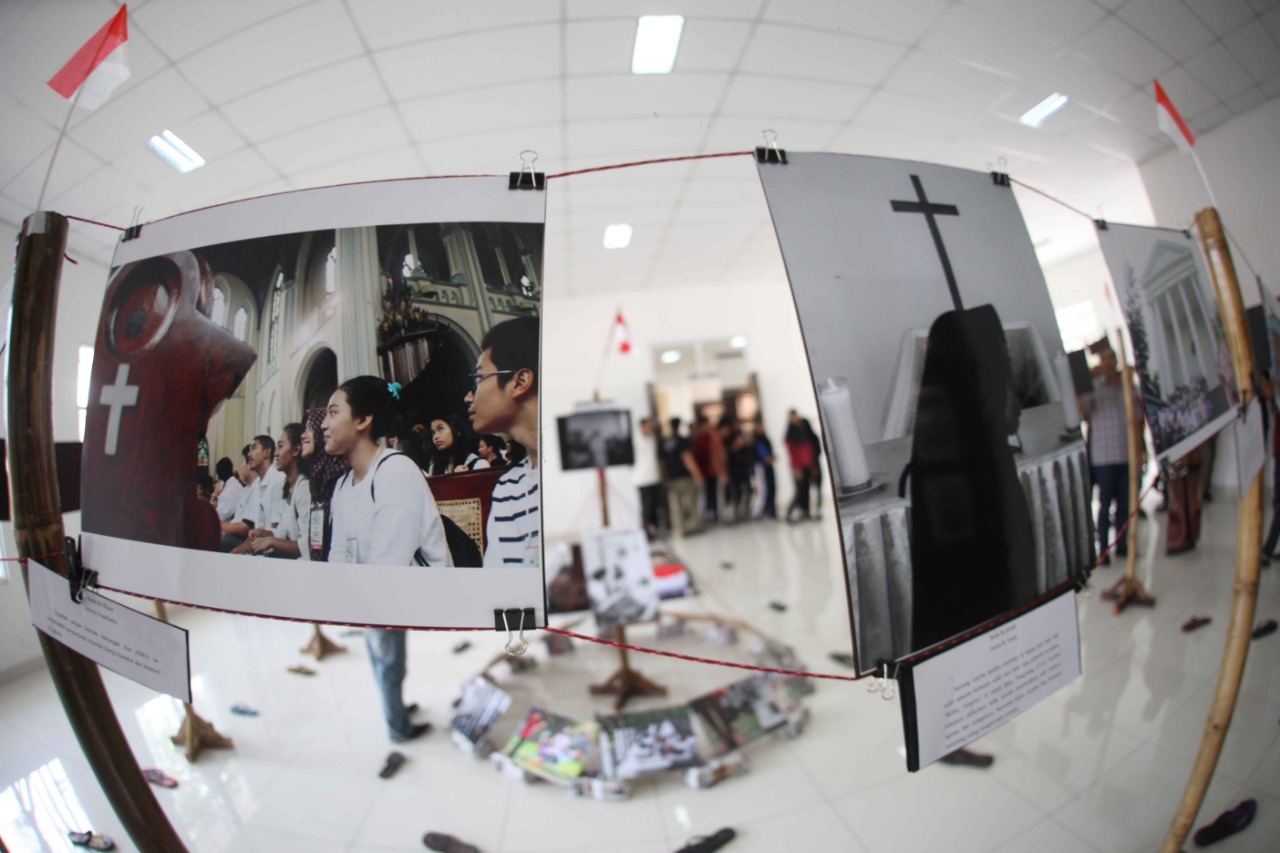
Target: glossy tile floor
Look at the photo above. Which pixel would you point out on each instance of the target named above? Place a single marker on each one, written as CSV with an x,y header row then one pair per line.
x,y
1099,766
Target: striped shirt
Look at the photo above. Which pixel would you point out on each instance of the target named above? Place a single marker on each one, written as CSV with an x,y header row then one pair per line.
x,y
513,535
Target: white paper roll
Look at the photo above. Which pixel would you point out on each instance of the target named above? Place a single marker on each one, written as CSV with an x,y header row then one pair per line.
x,y
843,441
1067,387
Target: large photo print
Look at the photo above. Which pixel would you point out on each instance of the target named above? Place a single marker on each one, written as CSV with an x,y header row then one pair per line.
x,y
324,405
944,392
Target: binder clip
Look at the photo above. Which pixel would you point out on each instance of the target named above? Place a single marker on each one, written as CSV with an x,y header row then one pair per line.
x,y
514,617
770,152
1000,179
1100,224
78,577
134,231
527,178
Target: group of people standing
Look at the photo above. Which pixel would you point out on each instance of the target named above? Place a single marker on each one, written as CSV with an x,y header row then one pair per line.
x,y
721,473
335,488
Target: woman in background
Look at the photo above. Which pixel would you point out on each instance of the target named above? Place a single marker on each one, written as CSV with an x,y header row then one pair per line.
x,y
454,446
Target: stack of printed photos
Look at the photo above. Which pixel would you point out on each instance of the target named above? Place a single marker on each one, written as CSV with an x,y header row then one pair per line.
x,y
644,742
776,656
482,703
742,712
559,749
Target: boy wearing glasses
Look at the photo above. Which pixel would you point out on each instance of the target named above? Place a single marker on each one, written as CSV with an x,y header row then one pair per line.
x,y
504,398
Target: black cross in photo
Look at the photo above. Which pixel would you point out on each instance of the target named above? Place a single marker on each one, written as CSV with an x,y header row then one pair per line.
x,y
930,211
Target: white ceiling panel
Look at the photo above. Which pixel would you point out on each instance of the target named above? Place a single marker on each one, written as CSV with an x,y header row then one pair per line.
x,y
900,23
1188,94
24,136
1246,101
599,47
1061,20
643,95
73,165
135,116
355,135
878,142
471,61
186,28
989,41
916,114
586,9
396,23
941,77
490,108
627,138
1082,80
1253,47
394,163
743,134
771,99
495,152
1219,71
312,98
1118,47
280,48
1169,24
104,190
1222,16
802,53
709,45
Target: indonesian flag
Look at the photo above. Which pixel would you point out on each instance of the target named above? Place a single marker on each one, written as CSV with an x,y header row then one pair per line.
x,y
98,66
1168,119
621,335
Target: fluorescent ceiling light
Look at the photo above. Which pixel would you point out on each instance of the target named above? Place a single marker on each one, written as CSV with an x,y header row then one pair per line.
x,y
671,356
657,40
1038,114
175,152
738,341
617,236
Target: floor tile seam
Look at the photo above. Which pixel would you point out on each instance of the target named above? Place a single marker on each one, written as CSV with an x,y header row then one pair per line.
x,y
1070,831
364,818
1217,770
1060,819
1048,818
827,798
506,815
1049,812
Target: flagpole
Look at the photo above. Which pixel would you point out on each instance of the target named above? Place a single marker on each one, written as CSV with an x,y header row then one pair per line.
x,y
604,358
56,146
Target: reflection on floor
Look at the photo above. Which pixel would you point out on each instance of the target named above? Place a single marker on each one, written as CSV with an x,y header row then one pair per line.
x,y
1100,766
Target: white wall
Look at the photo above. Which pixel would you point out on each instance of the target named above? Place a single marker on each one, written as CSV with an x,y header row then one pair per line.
x,y
575,330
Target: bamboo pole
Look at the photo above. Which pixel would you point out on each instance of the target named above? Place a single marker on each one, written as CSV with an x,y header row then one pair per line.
x,y
1129,590
37,527
1248,541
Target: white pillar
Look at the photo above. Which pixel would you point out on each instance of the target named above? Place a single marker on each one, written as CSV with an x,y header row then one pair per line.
x,y
360,289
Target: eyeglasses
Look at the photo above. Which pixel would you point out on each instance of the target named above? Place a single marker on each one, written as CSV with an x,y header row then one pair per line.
x,y
477,378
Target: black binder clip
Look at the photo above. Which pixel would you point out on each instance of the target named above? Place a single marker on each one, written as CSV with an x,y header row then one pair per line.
x,y
527,178
514,618
133,232
1100,224
1000,179
770,152
78,577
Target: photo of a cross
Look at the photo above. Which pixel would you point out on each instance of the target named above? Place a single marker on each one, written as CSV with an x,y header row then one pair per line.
x,y
930,211
117,397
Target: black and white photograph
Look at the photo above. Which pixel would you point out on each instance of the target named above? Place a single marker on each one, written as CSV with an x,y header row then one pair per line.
x,y
480,706
1177,345
739,713
620,578
911,281
640,742
257,362
595,435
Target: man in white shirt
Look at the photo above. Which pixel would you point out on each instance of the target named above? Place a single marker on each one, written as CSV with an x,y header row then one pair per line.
x,y
228,491
260,505
504,398
648,478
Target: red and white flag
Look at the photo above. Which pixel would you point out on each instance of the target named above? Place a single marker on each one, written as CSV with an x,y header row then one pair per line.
x,y
1170,121
98,67
621,335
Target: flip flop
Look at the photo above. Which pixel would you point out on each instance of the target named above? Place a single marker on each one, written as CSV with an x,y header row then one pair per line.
x,y
302,670
708,843
1195,622
158,777
1267,626
461,647
1228,823
243,710
445,843
393,763
91,840
842,659
778,606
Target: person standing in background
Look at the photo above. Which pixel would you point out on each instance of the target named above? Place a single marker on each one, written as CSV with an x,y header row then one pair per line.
x,y
648,479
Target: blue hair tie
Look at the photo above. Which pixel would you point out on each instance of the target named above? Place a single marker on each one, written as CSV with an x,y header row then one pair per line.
x,y
394,388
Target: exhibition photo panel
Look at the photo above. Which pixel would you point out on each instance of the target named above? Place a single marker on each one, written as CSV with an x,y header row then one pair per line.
x,y
949,418
323,405
1177,344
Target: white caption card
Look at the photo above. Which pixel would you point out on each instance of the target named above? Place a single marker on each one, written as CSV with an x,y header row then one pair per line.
x,y
133,644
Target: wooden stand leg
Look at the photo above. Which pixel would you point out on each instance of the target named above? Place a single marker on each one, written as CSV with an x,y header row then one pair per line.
x,y
321,646
197,733
626,682
1128,590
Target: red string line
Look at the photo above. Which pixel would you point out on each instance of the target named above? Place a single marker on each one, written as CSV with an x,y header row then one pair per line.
x,y
711,661
648,163
31,557
93,222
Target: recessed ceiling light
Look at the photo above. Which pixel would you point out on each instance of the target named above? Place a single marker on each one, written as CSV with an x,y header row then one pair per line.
x,y
175,152
1038,114
657,40
738,341
671,356
617,236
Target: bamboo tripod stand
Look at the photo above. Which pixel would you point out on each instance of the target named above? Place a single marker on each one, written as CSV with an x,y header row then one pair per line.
x,y
196,734
1248,542
1129,590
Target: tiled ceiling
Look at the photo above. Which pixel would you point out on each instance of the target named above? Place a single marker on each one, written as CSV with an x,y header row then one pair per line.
x,y
280,94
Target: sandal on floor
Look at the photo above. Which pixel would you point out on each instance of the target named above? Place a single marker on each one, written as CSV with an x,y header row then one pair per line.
x,y
1228,823
445,843
91,840
302,670
1267,626
708,843
243,711
393,763
159,777
1194,622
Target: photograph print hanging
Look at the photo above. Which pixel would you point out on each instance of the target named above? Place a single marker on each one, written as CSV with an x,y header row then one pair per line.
x,y
911,280
1177,346
596,435
223,337
620,578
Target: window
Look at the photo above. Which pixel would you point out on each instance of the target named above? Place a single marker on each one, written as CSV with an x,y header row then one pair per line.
x,y
241,326
273,336
331,272
219,311
84,370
